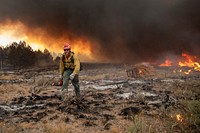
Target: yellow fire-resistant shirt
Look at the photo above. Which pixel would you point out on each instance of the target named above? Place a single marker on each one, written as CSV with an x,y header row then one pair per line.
x,y
67,63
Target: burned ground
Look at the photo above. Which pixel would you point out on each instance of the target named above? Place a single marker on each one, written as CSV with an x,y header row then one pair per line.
x,y
110,102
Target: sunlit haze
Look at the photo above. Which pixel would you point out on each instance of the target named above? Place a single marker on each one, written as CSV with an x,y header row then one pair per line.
x,y
39,40
15,32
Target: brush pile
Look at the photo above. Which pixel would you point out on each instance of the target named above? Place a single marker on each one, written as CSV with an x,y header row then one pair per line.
x,y
140,71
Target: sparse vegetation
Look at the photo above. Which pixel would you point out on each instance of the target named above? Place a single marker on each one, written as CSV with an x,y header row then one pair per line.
x,y
183,117
192,115
171,121
99,110
56,128
138,125
28,127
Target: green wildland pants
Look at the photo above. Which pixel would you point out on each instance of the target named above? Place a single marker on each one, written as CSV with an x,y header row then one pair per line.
x,y
75,82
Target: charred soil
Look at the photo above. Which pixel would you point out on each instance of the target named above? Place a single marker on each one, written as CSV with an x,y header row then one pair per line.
x,y
110,101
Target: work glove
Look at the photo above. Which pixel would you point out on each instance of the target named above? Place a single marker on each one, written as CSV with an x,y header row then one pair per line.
x,y
60,76
72,76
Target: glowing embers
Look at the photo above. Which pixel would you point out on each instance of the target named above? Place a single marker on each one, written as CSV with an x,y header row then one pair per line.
x,y
167,63
179,118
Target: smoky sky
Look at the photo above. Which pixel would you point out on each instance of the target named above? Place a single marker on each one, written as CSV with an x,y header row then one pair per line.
x,y
126,30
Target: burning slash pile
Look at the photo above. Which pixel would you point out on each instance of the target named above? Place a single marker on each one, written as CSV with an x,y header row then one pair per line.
x,y
184,66
140,71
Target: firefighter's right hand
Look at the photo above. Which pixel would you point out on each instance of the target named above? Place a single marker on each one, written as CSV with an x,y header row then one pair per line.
x,y
72,76
60,76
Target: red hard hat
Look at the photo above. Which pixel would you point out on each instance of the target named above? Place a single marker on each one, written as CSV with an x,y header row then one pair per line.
x,y
67,46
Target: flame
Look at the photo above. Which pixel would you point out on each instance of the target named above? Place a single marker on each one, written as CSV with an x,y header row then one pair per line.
x,y
167,63
188,72
39,39
196,66
189,61
82,47
179,118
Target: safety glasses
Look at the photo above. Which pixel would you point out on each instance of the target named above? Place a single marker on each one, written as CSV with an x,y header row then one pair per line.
x,y
66,49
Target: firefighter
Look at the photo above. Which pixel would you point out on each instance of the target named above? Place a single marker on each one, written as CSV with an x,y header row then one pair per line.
x,y
69,70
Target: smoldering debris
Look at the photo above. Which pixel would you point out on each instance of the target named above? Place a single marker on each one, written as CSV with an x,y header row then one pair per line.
x,y
140,71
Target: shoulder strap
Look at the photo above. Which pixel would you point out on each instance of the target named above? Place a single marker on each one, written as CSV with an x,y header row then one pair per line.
x,y
72,57
63,58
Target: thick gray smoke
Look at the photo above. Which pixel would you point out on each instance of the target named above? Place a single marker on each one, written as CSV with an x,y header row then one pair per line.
x,y
127,30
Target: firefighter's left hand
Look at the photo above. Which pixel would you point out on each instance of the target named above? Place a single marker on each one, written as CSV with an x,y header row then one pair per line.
x,y
60,77
72,76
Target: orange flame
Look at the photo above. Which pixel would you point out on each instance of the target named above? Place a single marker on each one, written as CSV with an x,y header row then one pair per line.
x,y
167,63
179,118
39,39
190,62
188,72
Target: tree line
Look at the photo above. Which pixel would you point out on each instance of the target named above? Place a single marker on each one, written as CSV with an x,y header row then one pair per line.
x,y
21,55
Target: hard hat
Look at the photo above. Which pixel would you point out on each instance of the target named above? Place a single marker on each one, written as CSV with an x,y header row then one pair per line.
x,y
67,46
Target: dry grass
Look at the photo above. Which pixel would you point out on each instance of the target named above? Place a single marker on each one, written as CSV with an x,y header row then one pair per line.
x,y
8,128
55,128
43,81
10,76
144,124
183,117
8,91
59,127
6,88
98,75
187,89
41,84
191,114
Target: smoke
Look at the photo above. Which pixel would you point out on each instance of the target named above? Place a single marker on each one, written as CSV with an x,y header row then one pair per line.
x,y
126,30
